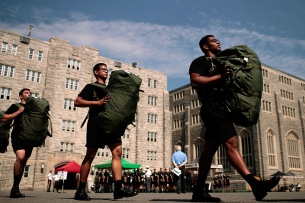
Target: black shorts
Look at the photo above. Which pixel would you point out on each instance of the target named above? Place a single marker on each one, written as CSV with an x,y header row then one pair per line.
x,y
95,139
217,122
18,144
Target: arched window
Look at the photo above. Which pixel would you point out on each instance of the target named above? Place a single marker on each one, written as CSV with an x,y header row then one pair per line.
x,y
246,148
293,150
222,158
198,147
271,149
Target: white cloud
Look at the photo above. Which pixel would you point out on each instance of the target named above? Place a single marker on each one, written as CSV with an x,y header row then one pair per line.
x,y
169,49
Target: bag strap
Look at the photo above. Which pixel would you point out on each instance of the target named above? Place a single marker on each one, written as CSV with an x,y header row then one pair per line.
x,y
94,96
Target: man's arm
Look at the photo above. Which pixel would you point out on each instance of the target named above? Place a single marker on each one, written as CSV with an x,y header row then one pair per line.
x,y
80,102
198,80
173,160
9,117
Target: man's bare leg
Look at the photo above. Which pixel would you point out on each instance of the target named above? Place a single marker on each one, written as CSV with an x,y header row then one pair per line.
x,y
84,172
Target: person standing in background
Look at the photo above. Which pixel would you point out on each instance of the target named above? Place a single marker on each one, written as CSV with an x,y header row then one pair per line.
x,y
50,178
179,160
148,179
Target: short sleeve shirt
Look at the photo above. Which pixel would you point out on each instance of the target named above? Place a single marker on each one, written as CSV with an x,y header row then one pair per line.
x,y
203,66
88,93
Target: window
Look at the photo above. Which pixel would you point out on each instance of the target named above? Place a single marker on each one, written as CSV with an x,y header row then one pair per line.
x,y
67,125
66,146
196,119
5,93
152,155
198,147
271,149
152,100
179,108
71,84
266,106
73,64
195,103
4,47
151,136
148,82
69,104
32,75
302,86
31,54
126,134
178,95
266,88
40,55
155,83
152,118
285,80
26,171
193,91
14,49
288,111
7,71
265,73
293,150
222,157
246,148
33,94
125,153
179,123
61,146
287,95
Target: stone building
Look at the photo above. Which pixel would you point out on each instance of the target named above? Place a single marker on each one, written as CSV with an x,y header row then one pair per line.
x,y
275,143
57,71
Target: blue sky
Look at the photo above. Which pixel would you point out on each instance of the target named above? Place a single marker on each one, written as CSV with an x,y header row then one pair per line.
x,y
163,35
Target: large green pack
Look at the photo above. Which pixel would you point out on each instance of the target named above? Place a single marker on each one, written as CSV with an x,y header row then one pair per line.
x,y
123,89
35,121
5,128
243,89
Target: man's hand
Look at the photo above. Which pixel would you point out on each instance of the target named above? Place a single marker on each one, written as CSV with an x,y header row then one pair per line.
x,y
21,109
225,72
103,101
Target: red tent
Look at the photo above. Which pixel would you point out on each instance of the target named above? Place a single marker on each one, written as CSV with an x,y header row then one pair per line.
x,y
71,167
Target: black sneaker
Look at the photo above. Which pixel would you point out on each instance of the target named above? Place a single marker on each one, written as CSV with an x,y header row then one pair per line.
x,y
123,193
15,193
204,197
262,187
81,195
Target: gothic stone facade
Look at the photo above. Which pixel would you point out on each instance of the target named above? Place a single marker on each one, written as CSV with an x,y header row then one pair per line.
x,y
57,71
275,143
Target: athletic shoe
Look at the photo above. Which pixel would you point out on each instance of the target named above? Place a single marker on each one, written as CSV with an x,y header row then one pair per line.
x,y
15,193
204,197
81,195
123,193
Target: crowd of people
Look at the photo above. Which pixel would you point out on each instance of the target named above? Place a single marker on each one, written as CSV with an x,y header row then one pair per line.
x,y
140,180
221,181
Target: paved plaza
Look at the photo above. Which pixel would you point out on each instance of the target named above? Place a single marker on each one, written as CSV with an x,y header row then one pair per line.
x,y
67,197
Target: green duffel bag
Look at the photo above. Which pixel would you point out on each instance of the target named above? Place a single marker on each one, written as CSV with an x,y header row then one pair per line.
x,y
5,129
35,121
123,89
242,91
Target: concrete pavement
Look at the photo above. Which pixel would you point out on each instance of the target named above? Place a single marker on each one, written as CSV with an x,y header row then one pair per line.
x,y
67,197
